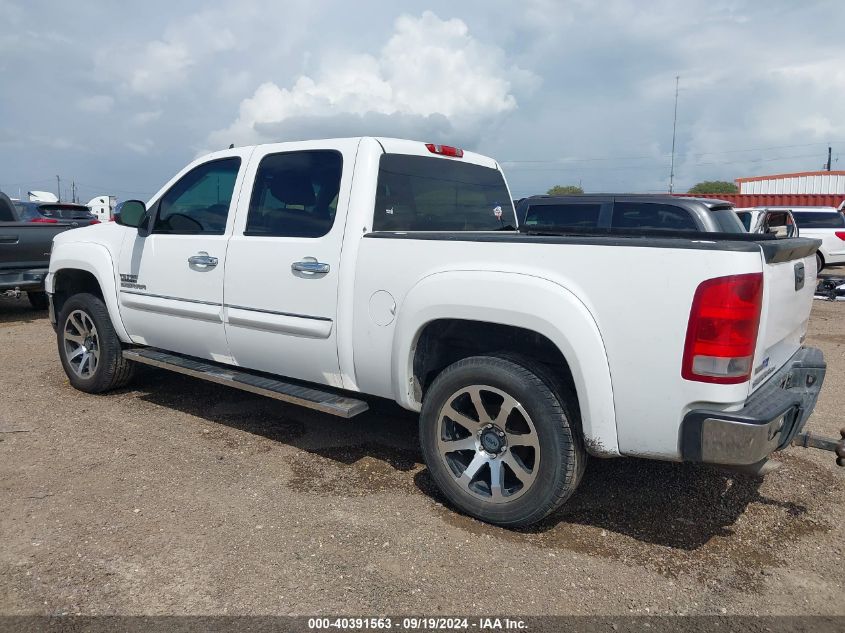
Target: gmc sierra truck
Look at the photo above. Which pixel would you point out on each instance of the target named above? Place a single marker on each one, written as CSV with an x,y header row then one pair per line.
x,y
325,272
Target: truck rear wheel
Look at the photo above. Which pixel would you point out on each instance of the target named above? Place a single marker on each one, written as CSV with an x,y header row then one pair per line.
x,y
499,442
90,351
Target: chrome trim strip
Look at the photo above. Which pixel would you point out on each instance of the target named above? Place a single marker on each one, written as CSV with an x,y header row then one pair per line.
x,y
226,305
287,314
153,296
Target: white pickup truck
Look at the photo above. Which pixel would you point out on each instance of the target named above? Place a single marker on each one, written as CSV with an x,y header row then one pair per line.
x,y
322,272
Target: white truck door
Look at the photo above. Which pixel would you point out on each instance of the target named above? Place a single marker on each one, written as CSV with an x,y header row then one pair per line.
x,y
281,282
171,281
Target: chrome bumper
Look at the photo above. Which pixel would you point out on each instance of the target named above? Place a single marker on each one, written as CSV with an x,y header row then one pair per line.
x,y
770,419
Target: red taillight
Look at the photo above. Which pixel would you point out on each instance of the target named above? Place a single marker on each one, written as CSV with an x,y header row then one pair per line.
x,y
94,222
840,235
722,331
44,221
445,150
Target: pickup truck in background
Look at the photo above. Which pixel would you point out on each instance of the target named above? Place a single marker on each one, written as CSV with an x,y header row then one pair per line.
x,y
326,272
627,212
25,252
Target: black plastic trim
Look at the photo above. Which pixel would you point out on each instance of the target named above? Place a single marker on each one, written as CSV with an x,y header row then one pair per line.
x,y
786,389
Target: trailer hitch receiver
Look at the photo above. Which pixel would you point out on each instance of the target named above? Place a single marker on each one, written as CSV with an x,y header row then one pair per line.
x,y
809,440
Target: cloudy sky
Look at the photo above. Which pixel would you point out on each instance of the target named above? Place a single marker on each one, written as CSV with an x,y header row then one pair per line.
x,y
118,98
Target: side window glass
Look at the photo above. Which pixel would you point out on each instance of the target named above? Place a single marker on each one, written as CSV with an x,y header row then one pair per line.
x,y
579,216
199,201
646,215
295,194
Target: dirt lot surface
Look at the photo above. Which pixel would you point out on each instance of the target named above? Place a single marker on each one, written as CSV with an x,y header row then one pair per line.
x,y
181,497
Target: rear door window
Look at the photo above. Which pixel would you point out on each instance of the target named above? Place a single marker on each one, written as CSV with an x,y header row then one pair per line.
x,y
649,215
575,216
819,220
420,193
295,194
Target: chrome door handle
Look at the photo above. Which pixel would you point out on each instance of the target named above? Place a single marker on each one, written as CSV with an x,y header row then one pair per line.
x,y
310,266
202,259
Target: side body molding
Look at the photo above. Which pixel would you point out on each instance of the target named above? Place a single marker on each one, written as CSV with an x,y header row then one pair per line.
x,y
95,259
521,300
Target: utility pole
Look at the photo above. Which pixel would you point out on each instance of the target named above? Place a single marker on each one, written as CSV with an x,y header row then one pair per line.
x,y
73,190
58,188
674,127
829,152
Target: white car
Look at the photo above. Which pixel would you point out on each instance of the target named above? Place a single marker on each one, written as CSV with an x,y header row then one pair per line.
x,y
326,272
822,223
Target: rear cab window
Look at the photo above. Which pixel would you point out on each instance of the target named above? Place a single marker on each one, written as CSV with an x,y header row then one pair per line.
x,y
421,193
727,221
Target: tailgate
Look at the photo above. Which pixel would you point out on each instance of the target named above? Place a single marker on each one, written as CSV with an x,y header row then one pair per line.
x,y
789,281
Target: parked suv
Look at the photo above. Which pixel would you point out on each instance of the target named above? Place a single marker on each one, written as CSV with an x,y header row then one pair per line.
x,y
56,213
629,211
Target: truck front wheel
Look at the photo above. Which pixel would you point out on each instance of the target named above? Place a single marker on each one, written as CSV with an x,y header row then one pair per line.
x,y
499,442
90,351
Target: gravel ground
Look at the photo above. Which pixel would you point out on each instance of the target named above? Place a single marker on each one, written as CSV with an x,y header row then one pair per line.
x,y
180,497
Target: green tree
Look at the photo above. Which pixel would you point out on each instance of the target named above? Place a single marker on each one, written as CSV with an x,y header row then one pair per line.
x,y
564,190
714,186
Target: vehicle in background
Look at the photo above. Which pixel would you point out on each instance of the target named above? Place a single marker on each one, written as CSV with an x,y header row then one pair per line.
x,y
322,272
778,222
822,223
25,252
103,207
41,196
586,212
55,213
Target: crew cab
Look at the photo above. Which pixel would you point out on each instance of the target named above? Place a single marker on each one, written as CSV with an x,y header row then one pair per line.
x,y
326,273
660,212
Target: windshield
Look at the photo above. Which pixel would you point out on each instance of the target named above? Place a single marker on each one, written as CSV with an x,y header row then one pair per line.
x,y
421,193
819,220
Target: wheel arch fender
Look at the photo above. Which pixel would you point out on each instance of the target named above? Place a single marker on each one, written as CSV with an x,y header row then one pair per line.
x,y
523,301
96,260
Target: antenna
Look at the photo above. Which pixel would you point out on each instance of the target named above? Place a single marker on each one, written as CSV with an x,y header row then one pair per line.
x,y
674,128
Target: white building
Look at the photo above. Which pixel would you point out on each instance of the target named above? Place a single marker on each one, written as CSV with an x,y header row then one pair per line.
x,y
812,182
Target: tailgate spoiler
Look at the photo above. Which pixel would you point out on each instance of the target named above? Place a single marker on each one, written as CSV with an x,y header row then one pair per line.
x,y
786,250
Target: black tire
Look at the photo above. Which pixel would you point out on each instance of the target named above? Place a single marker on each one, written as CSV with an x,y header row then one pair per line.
x,y
38,300
819,263
111,370
561,453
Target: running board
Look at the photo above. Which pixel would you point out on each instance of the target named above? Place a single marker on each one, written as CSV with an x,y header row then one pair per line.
x,y
324,401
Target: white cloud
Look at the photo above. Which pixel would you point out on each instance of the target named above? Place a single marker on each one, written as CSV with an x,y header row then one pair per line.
x,y
428,68
96,104
142,147
163,64
142,118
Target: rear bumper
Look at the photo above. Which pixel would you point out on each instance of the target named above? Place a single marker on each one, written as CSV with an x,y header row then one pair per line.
x,y
770,419
28,279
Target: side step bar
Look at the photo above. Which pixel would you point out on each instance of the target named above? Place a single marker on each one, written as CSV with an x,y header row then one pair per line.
x,y
325,401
